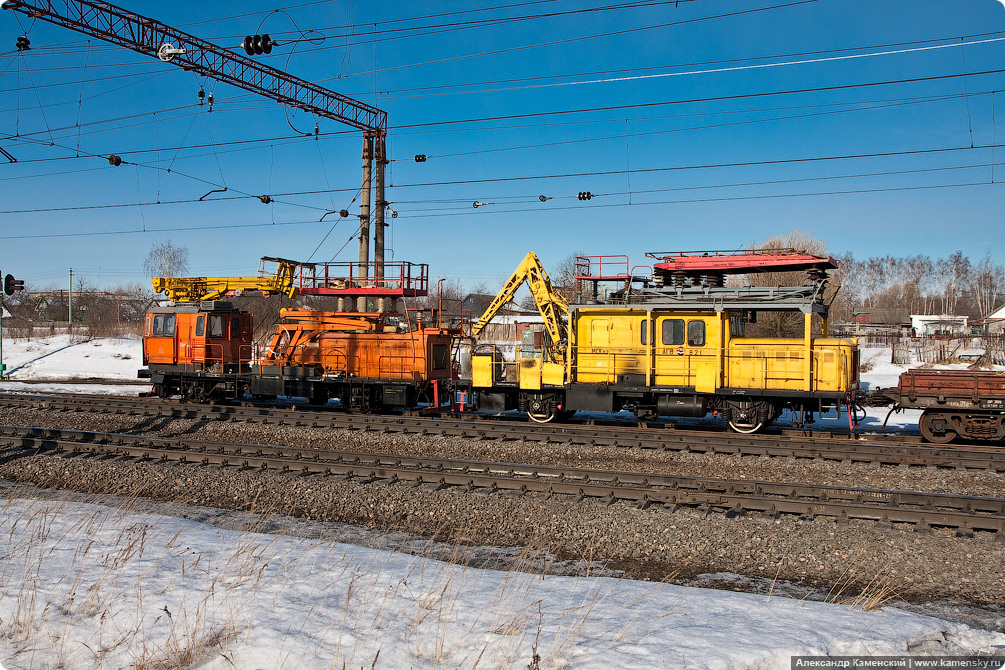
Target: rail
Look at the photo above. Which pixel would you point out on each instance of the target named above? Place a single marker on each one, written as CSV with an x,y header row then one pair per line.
x,y
669,492
815,444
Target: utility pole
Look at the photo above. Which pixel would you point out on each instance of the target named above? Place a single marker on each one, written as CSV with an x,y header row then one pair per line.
x,y
69,303
364,218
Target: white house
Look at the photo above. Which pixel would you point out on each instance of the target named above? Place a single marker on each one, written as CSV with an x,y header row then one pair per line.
x,y
938,324
994,322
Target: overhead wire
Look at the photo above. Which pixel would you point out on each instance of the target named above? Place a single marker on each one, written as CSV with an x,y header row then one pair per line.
x,y
534,198
583,111
605,173
175,228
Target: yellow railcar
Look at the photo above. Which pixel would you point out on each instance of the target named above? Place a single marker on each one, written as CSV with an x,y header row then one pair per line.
x,y
678,350
668,361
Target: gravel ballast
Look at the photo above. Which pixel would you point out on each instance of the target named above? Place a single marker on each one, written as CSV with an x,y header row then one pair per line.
x,y
840,561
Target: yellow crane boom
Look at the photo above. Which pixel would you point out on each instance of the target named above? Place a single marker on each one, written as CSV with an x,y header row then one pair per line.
x,y
196,289
550,304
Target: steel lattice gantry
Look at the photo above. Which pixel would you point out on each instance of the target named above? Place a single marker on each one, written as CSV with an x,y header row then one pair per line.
x,y
150,37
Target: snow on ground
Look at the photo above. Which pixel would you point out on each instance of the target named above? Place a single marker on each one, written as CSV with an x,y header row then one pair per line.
x,y
86,585
73,357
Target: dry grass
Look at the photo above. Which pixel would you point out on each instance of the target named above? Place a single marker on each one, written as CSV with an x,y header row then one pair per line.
x,y
118,588
879,589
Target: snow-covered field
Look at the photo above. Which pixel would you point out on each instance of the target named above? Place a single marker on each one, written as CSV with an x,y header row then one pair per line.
x,y
115,585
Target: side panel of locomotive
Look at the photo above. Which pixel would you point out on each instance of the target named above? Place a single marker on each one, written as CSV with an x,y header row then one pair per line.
x,y
199,351
694,351
358,358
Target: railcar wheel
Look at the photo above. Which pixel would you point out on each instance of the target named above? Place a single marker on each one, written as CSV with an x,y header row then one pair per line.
x,y
747,417
197,392
745,427
541,417
936,428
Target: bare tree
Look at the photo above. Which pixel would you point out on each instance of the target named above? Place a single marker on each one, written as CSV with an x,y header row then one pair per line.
x,y
563,276
954,279
918,271
784,324
988,282
166,260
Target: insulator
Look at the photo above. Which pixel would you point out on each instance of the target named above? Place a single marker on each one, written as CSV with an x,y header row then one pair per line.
x,y
210,101
266,44
266,199
343,213
23,43
543,198
420,158
202,95
114,160
585,195
316,130
249,45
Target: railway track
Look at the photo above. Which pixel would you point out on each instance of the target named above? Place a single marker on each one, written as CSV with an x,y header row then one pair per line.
x,y
966,514
808,446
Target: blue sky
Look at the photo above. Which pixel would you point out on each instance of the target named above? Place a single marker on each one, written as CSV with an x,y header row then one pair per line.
x,y
697,125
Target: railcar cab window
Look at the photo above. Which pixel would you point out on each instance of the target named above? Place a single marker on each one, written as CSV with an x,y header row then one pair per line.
x,y
216,325
441,357
163,325
645,331
200,326
696,333
235,328
673,331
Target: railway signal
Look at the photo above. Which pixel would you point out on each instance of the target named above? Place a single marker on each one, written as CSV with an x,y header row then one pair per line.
x,y
10,285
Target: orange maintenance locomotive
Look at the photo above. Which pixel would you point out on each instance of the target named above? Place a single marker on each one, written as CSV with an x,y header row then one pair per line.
x,y
369,361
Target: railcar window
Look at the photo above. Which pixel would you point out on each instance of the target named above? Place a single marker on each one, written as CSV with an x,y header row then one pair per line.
x,y
158,325
235,328
169,325
440,357
216,324
673,331
200,326
645,332
696,333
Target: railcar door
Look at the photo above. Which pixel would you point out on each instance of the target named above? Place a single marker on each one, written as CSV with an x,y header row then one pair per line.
x,y
159,340
217,348
686,352
611,346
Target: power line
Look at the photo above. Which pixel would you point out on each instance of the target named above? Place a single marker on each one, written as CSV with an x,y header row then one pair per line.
x,y
718,98
788,161
469,212
769,182
177,229
706,166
